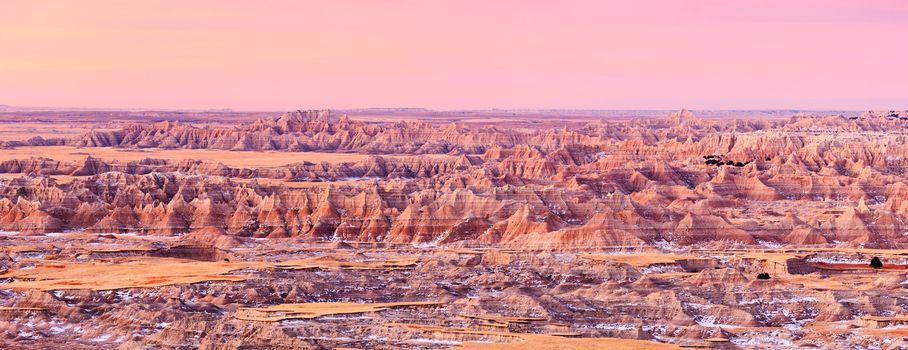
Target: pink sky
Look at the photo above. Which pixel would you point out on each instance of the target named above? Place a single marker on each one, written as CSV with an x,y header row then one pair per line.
x,y
277,55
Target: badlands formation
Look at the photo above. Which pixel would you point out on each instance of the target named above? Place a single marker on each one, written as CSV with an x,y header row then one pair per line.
x,y
317,230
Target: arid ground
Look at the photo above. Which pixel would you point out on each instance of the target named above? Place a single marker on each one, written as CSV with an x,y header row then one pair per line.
x,y
416,229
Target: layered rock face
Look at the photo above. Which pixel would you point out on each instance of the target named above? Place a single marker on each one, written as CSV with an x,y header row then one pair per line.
x,y
656,233
678,180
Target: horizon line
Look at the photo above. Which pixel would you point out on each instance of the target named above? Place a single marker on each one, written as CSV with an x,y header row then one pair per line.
x,y
17,108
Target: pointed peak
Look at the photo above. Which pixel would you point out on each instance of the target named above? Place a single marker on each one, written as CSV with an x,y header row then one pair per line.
x,y
862,207
683,116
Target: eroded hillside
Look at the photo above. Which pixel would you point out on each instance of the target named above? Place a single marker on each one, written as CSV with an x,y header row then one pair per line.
x,y
677,180
314,230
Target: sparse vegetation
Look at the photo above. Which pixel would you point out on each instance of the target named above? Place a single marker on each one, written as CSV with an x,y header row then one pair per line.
x,y
282,312
149,272
717,160
876,263
244,159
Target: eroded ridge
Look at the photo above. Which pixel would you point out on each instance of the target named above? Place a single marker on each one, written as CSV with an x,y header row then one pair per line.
x,y
318,230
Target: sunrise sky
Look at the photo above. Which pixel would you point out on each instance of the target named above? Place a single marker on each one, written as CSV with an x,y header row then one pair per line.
x,y
278,55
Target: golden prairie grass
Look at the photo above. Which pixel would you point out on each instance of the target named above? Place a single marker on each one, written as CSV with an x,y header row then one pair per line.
x,y
25,248
814,282
132,273
638,259
541,341
802,251
328,262
464,251
553,342
885,332
21,131
671,275
312,310
147,272
236,159
239,159
901,318
121,249
504,319
59,179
